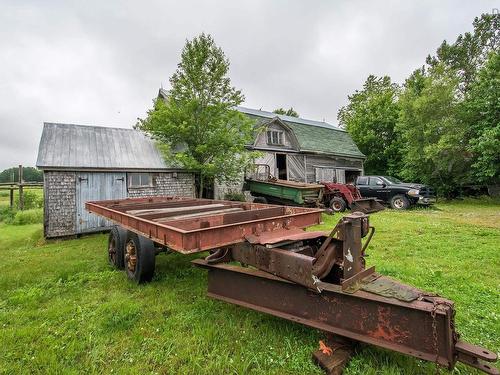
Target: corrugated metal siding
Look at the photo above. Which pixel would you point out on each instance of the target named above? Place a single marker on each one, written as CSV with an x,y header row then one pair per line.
x,y
93,147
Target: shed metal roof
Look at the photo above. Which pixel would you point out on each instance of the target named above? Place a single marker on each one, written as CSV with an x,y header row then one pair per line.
x,y
70,146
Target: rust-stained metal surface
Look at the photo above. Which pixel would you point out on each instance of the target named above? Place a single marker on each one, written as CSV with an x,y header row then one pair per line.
x,y
314,278
323,283
361,316
423,328
191,225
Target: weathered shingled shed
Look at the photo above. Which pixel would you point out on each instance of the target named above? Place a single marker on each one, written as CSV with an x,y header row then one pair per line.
x,y
84,163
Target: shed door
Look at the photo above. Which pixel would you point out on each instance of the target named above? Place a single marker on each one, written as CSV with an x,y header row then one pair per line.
x,y
95,187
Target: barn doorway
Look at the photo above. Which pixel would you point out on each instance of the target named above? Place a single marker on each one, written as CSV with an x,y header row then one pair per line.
x,y
281,166
351,175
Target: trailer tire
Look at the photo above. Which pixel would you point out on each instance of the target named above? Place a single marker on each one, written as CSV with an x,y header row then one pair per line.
x,y
400,202
338,204
140,255
116,247
260,200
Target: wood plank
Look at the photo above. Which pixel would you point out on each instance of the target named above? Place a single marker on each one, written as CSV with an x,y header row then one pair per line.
x,y
172,209
198,214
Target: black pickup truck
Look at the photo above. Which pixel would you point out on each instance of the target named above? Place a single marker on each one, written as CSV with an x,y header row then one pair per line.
x,y
398,194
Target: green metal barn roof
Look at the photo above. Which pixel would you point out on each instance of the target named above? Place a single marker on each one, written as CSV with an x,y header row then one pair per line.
x,y
313,136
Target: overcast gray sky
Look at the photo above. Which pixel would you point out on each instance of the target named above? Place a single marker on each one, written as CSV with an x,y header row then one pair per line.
x,y
102,62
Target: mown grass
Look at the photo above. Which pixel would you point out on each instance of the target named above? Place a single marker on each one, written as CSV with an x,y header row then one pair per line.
x,y
64,310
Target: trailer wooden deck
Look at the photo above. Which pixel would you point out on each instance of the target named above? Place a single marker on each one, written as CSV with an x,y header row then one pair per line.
x,y
190,225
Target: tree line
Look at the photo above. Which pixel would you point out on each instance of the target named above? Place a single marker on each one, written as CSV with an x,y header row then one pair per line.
x,y
442,125
30,174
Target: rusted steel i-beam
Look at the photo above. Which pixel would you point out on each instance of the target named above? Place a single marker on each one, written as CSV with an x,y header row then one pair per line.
x,y
422,328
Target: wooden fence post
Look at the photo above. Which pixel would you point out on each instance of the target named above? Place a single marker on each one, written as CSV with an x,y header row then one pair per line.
x,y
21,196
11,197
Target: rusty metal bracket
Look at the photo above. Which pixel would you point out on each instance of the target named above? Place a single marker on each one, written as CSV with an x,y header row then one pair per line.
x,y
325,258
284,263
474,356
350,283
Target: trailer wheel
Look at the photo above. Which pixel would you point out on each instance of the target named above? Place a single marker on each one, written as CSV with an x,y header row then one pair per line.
x,y
260,200
139,258
116,247
400,202
337,204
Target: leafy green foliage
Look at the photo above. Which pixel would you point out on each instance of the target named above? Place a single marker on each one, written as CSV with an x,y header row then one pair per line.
x,y
30,174
431,131
442,126
287,112
32,216
33,203
470,51
6,214
370,118
32,199
481,113
198,125
235,196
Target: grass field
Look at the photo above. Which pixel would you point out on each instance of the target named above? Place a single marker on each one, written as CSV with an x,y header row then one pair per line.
x,y
63,310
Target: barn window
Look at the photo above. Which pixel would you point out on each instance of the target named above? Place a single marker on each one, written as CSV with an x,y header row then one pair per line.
x,y
274,137
136,180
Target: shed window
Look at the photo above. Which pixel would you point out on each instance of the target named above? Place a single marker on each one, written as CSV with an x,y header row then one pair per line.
x,y
274,137
136,180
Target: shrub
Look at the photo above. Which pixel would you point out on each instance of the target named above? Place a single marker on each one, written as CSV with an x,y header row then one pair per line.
x,y
235,196
33,216
4,193
32,199
6,214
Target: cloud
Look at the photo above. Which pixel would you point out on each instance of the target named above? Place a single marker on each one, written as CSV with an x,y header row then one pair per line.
x,y
101,62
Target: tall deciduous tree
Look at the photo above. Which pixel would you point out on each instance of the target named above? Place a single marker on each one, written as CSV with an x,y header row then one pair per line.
x,y
287,112
197,126
433,134
471,50
370,118
30,174
481,115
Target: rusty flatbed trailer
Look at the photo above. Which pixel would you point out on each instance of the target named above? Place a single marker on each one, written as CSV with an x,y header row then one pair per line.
x,y
314,278
190,225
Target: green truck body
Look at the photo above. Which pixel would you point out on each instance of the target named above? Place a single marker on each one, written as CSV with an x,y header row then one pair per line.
x,y
286,192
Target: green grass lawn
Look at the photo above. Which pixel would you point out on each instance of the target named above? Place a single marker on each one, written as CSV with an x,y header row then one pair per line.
x,y
64,310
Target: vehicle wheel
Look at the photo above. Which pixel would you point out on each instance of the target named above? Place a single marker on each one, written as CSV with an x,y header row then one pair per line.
x,y
139,258
116,247
337,204
260,200
400,202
